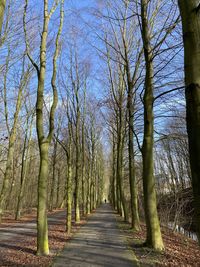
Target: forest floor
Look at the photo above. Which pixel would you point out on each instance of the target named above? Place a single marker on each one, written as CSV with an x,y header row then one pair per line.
x,y
179,250
98,242
18,239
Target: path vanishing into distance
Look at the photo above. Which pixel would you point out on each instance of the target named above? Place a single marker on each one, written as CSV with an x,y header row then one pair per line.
x,y
97,243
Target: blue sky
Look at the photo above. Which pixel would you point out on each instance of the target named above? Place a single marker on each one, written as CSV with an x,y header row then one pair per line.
x,y
78,19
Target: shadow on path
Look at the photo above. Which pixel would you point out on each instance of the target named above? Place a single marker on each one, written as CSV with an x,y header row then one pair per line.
x,y
98,243
24,229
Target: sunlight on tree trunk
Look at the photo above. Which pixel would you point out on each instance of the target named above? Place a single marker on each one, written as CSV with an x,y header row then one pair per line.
x,y
154,238
44,142
69,183
2,10
132,177
77,175
83,174
25,155
12,138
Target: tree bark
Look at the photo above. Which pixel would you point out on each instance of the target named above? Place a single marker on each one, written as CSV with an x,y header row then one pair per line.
x,y
135,222
58,188
25,155
83,155
88,204
44,141
12,138
120,149
51,204
189,10
154,238
2,11
113,185
69,185
77,175
42,226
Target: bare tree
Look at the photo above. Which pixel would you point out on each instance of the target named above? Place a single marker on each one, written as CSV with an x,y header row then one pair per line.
x,y
12,132
44,141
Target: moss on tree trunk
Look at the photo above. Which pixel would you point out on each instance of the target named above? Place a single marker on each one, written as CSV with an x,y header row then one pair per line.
x,y
2,11
154,238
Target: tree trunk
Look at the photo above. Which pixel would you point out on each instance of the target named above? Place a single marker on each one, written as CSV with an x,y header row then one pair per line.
x,y
44,142
135,222
12,138
2,10
42,227
83,170
113,178
69,187
83,154
51,204
92,170
120,168
88,205
25,155
189,10
77,176
58,188
154,238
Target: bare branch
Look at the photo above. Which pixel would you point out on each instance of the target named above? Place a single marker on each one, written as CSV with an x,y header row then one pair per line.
x,y
26,40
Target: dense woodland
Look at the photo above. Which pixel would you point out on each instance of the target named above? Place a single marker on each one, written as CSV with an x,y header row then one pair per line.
x,y
99,100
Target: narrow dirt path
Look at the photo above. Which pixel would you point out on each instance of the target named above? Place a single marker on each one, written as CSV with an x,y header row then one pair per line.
x,y
97,243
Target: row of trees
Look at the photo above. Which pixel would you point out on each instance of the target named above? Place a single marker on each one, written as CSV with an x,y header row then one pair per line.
x,y
59,163
141,45
143,51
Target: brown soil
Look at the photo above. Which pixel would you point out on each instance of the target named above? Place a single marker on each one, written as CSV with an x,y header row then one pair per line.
x,y
179,250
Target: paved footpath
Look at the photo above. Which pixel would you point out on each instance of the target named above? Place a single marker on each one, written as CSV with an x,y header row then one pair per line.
x,y
98,243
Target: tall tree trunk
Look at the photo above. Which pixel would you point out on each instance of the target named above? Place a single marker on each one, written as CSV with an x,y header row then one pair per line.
x,y
43,141
94,187
12,138
120,147
83,155
190,14
42,226
58,188
83,185
118,194
88,204
2,11
25,155
92,169
69,185
92,181
51,204
77,176
154,238
113,179
135,222
9,203
76,87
